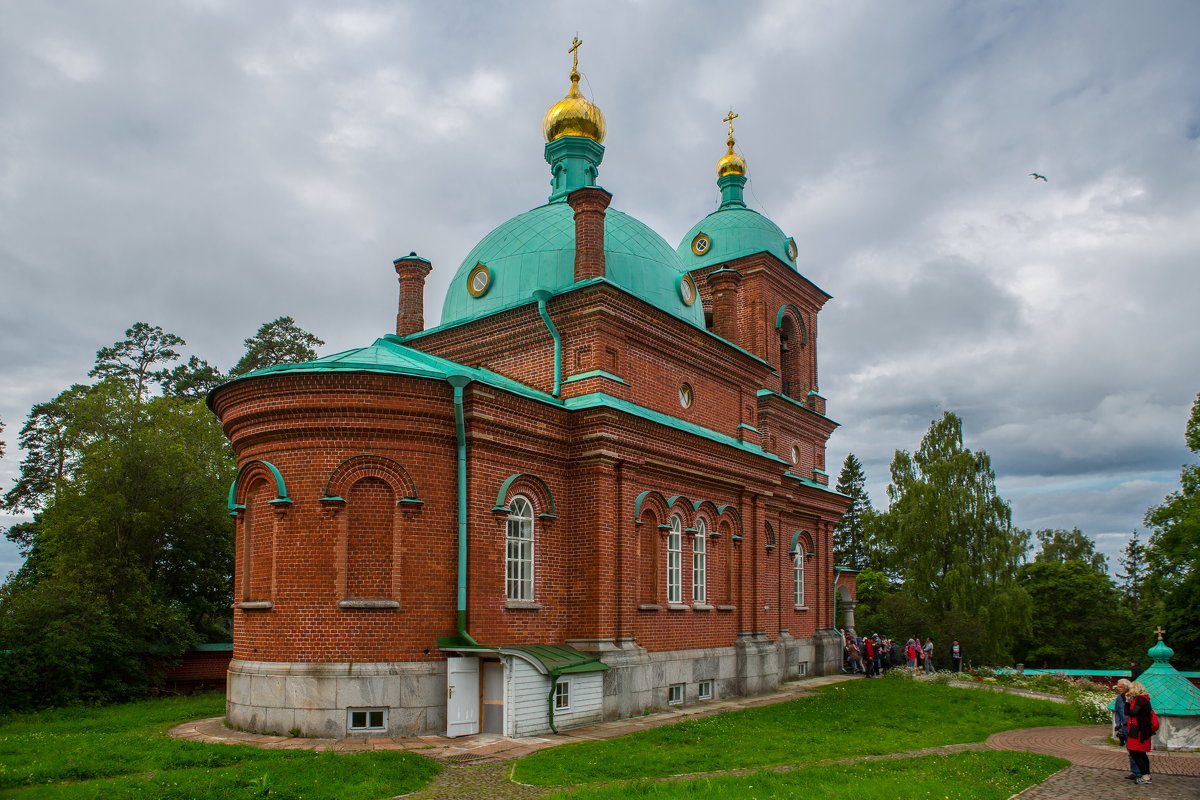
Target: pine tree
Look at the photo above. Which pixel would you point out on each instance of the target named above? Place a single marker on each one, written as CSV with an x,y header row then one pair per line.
x,y
851,546
1133,562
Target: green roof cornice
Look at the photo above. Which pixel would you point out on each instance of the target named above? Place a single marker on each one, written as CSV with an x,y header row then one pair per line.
x,y
596,373
814,485
602,400
562,292
796,403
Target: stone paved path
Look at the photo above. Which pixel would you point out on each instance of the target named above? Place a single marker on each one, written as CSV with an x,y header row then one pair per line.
x,y
478,766
1098,769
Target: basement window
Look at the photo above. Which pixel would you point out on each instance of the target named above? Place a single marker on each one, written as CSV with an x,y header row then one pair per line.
x,y
704,690
675,694
363,720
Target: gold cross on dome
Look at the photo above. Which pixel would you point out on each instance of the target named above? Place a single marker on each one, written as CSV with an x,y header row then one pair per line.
x,y
1159,630
730,117
574,51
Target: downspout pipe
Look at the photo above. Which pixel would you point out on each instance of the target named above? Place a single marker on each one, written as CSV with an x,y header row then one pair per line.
x,y
541,295
460,437
554,675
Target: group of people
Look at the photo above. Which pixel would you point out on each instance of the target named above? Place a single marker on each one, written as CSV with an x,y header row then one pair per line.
x,y
873,655
1133,725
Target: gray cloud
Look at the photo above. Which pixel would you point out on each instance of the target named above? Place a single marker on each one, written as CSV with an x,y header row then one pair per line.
x,y
208,166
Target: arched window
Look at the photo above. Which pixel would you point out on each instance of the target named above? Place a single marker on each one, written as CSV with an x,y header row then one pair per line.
x,y
519,549
700,563
675,561
798,574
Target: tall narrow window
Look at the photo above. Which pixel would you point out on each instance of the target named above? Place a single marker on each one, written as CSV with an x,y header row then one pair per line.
x,y
675,561
519,561
798,573
700,563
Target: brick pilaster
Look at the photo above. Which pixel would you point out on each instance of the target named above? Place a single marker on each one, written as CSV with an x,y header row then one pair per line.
x,y
725,285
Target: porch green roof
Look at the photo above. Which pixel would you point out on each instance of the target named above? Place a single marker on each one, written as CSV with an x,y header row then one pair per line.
x,y
551,659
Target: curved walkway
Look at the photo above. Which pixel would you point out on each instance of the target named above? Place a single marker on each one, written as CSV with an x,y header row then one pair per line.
x,y
1098,769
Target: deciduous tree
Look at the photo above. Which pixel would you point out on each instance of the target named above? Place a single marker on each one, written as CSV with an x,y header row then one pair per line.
x,y
957,550
1073,545
1173,554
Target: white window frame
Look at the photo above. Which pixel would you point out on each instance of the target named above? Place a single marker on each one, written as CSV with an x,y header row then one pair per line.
x,y
675,694
562,695
519,550
368,727
675,561
704,690
798,575
700,563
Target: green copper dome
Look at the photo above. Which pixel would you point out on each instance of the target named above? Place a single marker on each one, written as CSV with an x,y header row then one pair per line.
x,y
536,250
734,232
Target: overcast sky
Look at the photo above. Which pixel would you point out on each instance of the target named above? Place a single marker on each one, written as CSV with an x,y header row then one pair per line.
x,y
208,166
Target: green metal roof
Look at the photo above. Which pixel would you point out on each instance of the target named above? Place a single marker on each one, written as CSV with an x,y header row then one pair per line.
x,y
389,355
536,250
550,659
734,232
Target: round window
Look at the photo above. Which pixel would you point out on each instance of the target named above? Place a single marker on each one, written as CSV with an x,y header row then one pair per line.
x,y
687,289
479,280
795,454
701,244
685,396
791,249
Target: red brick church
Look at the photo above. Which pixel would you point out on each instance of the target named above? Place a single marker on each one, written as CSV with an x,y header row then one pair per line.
x,y
596,487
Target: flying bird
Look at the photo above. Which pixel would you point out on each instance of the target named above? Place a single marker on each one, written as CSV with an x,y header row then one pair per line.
x,y
1037,177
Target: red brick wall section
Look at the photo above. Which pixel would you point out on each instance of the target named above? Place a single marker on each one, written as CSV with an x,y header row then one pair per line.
x,y
198,669
371,511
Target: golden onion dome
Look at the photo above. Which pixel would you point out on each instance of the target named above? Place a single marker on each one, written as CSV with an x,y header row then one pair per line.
x,y
574,115
731,163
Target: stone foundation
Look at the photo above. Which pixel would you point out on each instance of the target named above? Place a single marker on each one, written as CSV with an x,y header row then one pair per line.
x,y
274,697
313,699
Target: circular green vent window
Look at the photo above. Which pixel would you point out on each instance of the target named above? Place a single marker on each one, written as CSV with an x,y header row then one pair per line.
x,y
701,244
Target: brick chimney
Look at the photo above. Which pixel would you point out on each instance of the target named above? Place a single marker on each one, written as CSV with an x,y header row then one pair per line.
x,y
411,271
589,205
725,284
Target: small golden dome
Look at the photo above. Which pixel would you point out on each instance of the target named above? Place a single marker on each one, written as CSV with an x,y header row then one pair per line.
x,y
574,115
731,163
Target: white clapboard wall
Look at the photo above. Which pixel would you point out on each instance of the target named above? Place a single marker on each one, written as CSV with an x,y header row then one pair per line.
x,y
526,695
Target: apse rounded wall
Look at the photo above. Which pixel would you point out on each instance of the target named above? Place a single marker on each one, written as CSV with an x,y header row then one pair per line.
x,y
342,508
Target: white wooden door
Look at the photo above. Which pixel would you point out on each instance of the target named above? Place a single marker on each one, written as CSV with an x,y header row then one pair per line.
x,y
462,696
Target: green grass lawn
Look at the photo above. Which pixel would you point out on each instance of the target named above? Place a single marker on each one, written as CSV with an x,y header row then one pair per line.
x,y
123,751
992,775
850,719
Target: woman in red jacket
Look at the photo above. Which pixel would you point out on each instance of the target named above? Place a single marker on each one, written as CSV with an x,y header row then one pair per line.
x,y
1138,729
